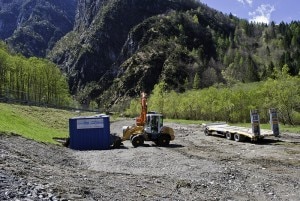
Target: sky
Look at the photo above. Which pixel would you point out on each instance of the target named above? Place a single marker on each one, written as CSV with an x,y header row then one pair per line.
x,y
260,11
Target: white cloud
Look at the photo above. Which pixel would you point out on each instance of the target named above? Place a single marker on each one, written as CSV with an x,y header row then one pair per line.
x,y
262,14
249,2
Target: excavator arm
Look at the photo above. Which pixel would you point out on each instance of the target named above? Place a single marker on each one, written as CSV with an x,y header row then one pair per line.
x,y
141,120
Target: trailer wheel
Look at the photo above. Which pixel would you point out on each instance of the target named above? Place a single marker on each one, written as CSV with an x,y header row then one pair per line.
x,y
163,140
206,132
229,136
238,137
137,140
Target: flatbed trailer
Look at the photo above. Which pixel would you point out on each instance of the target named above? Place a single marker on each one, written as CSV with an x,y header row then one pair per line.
x,y
241,133
236,133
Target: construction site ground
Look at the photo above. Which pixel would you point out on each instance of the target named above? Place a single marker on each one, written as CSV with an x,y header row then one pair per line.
x,y
194,167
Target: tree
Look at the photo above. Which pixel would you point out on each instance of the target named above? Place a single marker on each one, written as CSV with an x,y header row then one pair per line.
x,y
156,100
196,82
284,94
4,68
285,70
187,84
195,19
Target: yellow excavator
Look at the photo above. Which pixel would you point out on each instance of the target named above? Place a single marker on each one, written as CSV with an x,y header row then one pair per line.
x,y
149,127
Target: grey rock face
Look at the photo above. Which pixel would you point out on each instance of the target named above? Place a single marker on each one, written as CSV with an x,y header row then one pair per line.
x,y
101,30
32,27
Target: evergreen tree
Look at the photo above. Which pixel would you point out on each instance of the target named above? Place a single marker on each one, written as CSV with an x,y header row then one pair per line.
x,y
196,82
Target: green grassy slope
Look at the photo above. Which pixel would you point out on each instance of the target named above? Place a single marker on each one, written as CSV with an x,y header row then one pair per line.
x,y
40,124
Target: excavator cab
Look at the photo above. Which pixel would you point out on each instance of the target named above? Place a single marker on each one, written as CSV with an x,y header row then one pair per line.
x,y
154,123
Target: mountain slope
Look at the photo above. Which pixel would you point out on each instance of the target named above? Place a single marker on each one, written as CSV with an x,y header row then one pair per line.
x,y
170,48
32,27
88,52
129,46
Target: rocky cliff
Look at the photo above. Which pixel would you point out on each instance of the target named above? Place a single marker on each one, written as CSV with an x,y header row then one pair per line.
x,y
101,30
32,27
8,17
172,48
87,12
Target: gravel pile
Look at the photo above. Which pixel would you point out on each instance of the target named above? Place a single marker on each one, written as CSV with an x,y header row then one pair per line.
x,y
14,188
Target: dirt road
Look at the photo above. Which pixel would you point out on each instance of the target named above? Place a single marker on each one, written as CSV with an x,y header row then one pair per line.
x,y
194,167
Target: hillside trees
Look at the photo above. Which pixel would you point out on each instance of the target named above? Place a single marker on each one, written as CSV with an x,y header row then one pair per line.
x,y
230,104
284,94
34,79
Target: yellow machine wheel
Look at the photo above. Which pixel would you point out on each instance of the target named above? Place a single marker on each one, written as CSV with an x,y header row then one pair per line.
x,y
163,140
137,140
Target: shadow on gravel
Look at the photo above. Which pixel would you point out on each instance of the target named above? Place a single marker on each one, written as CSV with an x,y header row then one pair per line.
x,y
171,146
268,141
276,142
175,146
120,147
146,145
294,142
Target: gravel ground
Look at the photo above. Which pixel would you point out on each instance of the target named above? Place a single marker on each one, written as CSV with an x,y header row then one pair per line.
x,y
194,167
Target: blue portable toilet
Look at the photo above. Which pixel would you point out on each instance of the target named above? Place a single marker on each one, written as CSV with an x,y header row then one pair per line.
x,y
90,133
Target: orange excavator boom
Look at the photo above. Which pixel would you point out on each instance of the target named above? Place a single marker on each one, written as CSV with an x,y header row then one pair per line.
x,y
141,120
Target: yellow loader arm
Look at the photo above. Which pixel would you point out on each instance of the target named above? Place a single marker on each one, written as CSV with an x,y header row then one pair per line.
x,y
131,130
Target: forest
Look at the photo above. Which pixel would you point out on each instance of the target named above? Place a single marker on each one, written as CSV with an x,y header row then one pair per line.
x,y
31,80
230,104
229,50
